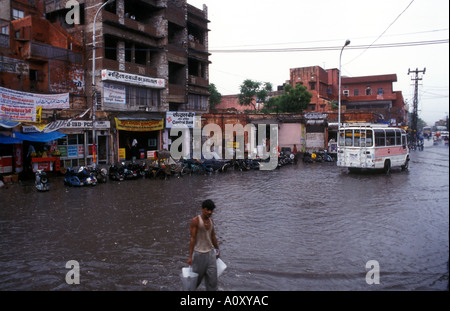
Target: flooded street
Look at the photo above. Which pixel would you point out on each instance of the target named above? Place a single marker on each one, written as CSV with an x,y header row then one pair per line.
x,y
300,227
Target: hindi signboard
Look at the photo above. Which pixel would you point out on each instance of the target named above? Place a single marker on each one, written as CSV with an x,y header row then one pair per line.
x,y
111,75
139,125
180,119
21,106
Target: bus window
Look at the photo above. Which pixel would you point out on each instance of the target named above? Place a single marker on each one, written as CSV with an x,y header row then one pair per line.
x,y
404,142
369,138
379,138
341,138
398,137
363,138
356,138
349,138
390,138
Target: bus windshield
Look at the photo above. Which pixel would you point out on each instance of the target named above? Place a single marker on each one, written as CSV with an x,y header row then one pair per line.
x,y
356,138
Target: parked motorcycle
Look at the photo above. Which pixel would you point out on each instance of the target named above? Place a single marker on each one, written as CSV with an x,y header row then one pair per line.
x,y
131,171
71,178
226,165
81,177
285,157
326,156
307,158
116,172
41,181
100,173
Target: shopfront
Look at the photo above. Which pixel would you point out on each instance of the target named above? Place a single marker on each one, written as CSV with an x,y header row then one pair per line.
x,y
76,147
137,136
39,151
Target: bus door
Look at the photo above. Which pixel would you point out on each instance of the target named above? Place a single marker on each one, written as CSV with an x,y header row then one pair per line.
x,y
359,142
352,152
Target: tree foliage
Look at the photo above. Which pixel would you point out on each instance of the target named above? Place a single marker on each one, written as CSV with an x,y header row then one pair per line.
x,y
252,92
293,100
214,96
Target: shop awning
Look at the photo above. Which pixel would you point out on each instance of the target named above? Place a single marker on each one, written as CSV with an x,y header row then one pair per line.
x,y
8,124
9,140
40,137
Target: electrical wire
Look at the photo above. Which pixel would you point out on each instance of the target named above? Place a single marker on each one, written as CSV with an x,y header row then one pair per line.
x,y
382,33
333,48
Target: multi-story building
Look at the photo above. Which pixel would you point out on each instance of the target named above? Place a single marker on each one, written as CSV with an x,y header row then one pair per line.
x,y
375,94
360,95
151,60
367,94
36,55
319,83
37,60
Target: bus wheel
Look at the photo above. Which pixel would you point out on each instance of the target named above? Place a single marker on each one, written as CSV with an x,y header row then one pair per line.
x,y
387,166
406,165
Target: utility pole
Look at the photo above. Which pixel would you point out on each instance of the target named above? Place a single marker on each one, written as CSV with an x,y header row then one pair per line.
x,y
415,102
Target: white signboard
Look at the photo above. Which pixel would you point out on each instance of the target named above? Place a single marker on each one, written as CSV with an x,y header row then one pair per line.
x,y
110,75
21,106
180,119
114,93
67,124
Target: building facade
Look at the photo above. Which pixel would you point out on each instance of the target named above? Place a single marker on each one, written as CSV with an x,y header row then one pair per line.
x,y
367,94
149,59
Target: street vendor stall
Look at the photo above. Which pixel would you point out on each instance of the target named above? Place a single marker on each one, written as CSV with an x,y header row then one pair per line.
x,y
47,160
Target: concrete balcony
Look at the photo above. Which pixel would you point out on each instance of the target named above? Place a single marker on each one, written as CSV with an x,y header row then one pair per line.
x,y
198,81
129,24
44,52
176,17
197,46
177,93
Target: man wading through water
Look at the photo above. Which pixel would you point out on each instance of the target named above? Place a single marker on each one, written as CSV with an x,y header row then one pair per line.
x,y
202,255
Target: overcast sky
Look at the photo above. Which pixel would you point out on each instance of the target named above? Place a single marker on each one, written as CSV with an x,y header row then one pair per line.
x,y
415,29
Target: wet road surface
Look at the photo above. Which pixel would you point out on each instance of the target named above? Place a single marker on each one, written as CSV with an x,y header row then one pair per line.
x,y
301,227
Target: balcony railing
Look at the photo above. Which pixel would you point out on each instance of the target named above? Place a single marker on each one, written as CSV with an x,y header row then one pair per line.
x,y
194,80
129,23
45,51
177,90
197,46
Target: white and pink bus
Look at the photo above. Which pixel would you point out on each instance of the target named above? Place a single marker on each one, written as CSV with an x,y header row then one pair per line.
x,y
372,146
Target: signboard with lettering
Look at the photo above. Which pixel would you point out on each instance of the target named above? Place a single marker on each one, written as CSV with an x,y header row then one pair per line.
x,y
110,75
122,154
180,119
21,106
65,124
139,126
114,93
72,151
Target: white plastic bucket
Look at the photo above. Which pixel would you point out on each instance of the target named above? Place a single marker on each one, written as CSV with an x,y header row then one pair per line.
x,y
189,279
221,266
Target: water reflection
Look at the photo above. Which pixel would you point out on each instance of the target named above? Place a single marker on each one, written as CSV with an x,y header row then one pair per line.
x,y
303,227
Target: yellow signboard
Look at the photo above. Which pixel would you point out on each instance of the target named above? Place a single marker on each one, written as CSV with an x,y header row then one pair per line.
x,y
139,126
122,154
232,144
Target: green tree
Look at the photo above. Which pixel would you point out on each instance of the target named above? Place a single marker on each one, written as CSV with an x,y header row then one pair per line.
x,y
252,92
214,96
294,100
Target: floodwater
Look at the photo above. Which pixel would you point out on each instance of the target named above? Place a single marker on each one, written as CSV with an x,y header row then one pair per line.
x,y
300,227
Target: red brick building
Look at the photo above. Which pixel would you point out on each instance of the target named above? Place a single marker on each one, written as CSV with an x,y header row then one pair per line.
x,y
36,55
367,94
375,94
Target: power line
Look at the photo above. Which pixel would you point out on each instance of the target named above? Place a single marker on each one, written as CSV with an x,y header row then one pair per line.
x,y
325,40
332,48
382,33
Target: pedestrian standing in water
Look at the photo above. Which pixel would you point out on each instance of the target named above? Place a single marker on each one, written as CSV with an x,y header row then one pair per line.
x,y
203,247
